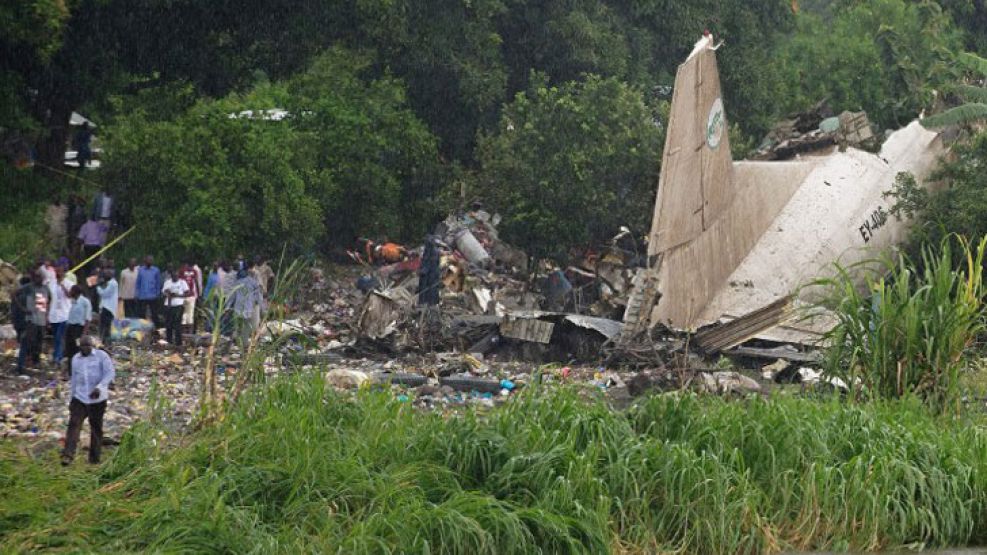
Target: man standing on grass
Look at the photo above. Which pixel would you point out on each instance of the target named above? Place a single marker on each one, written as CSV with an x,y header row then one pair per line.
x,y
128,289
92,372
109,296
148,290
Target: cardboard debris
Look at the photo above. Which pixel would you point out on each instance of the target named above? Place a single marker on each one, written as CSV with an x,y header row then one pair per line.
x,y
527,329
382,311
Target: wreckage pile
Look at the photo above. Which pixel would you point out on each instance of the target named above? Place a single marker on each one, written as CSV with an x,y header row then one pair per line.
x,y
500,324
817,131
494,303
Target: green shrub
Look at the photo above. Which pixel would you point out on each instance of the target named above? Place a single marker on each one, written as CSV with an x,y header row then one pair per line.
x,y
909,330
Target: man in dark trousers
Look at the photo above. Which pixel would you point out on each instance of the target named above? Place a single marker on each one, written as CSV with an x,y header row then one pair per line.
x,y
148,290
18,316
429,279
33,300
92,372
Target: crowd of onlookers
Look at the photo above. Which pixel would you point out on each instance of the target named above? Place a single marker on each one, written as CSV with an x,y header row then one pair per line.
x,y
53,299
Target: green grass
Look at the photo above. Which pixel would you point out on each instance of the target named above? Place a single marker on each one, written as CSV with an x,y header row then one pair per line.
x,y
911,329
301,469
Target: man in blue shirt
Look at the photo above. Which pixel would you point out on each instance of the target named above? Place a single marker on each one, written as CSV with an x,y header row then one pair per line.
x,y
148,289
92,372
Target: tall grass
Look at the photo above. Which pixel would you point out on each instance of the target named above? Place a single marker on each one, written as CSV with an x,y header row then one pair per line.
x,y
218,310
908,332
298,468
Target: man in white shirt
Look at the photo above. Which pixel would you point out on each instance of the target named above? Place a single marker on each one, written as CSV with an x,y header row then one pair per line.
x,y
190,276
174,291
48,271
128,289
109,296
92,372
58,313
80,315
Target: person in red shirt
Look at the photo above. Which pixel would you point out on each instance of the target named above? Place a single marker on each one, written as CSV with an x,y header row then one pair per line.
x,y
190,275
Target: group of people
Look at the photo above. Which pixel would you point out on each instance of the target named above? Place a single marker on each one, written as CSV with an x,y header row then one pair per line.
x,y
51,298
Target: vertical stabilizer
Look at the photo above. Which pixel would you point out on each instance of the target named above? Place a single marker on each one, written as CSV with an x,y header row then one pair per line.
x,y
696,173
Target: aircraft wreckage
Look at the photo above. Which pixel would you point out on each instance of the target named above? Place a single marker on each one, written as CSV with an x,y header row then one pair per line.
x,y
734,241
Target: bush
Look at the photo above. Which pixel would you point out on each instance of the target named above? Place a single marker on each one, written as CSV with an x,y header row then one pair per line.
x,y
908,332
23,233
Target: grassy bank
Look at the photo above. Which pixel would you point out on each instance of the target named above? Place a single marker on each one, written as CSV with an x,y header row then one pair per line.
x,y
302,470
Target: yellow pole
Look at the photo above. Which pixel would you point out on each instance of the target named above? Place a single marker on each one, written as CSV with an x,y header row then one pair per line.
x,y
102,250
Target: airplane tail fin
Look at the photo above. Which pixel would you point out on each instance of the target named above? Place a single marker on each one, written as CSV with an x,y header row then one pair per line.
x,y
696,183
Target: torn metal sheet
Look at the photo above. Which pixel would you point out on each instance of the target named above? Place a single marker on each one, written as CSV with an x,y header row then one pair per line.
x,y
784,352
608,328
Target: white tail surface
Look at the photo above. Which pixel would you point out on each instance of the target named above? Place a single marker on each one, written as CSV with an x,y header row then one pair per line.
x,y
695,183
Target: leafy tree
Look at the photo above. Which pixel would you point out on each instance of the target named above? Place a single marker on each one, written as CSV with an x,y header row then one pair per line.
x,y
348,157
663,32
449,54
971,16
975,109
30,33
883,56
570,164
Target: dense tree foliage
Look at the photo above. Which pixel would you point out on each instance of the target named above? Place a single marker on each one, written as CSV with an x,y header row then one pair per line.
x,y
345,155
571,164
883,56
428,96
